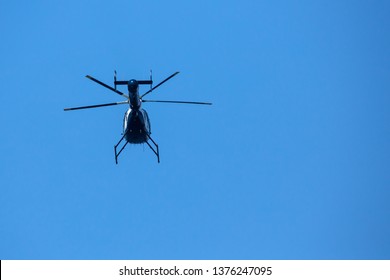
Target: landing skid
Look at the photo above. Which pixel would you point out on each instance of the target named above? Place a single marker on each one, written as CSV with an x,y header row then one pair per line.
x,y
116,146
154,149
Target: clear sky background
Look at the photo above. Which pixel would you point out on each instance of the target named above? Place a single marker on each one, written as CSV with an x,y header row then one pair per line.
x,y
290,162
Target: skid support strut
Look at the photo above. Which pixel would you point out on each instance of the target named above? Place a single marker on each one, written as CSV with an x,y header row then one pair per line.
x,y
154,149
116,146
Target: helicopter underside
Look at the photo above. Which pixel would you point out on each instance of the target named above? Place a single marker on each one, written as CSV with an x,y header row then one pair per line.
x,y
137,136
136,126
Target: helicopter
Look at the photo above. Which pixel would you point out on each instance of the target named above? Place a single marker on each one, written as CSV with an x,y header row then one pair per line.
x,y
136,123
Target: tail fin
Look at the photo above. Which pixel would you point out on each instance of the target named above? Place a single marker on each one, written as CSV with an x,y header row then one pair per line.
x,y
140,82
115,79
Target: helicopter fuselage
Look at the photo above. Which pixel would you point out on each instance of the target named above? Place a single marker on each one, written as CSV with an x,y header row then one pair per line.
x,y
136,124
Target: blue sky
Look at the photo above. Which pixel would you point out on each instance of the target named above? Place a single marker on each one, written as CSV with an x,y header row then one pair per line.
x,y
291,161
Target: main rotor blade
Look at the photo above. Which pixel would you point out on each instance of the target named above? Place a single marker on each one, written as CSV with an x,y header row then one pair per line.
x,y
96,106
153,88
107,86
179,102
